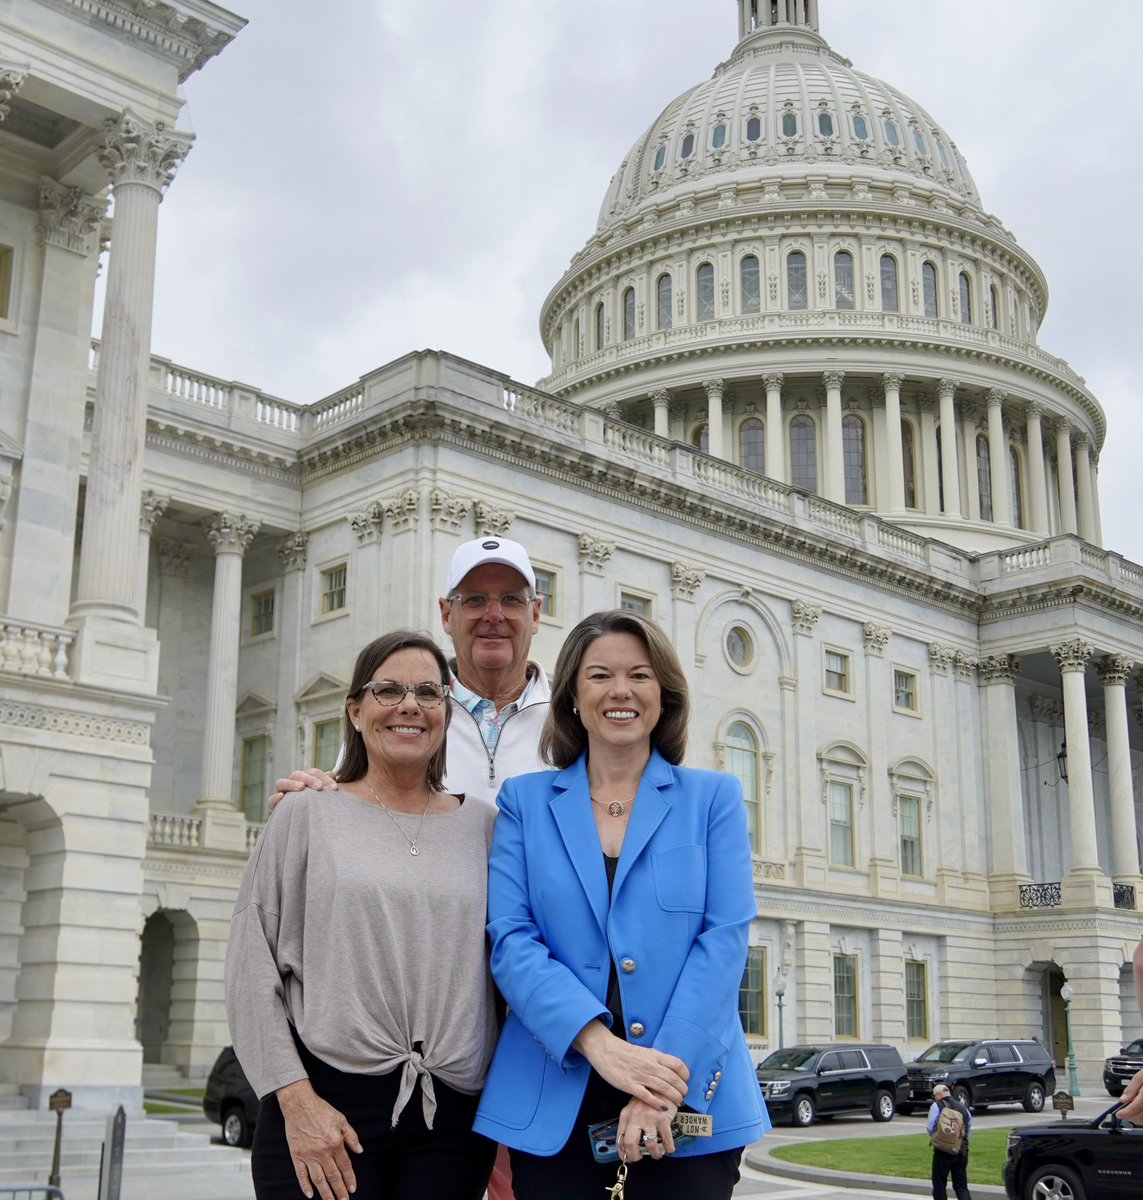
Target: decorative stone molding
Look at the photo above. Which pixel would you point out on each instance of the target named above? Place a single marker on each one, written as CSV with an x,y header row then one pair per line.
x,y
1072,655
292,551
891,381
151,508
231,533
910,785
967,666
768,870
946,386
366,524
612,409
876,637
11,81
401,510
447,511
492,522
70,218
715,388
1033,409
773,380
685,580
1048,710
806,616
1113,669
847,773
594,553
34,650
833,379
940,658
173,558
50,720
661,399
995,397
133,151
999,668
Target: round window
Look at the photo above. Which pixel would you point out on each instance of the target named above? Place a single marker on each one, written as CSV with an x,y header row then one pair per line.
x,y
739,646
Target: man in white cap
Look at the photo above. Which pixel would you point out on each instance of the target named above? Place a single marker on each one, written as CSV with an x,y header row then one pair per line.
x,y
949,1125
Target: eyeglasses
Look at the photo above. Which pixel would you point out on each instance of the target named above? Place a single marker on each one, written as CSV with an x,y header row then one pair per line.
x,y
511,604
391,693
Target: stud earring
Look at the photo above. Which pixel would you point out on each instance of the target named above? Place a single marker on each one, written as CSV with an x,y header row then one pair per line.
x,y
575,710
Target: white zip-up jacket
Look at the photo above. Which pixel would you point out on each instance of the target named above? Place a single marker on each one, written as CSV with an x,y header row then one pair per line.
x,y
471,769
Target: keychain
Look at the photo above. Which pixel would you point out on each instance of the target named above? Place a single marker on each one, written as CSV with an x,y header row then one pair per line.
x,y
616,1190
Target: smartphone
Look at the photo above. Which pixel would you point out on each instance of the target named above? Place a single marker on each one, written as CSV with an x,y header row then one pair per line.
x,y
603,1138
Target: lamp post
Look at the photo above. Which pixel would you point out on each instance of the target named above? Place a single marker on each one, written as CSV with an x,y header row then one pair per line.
x,y
1066,994
779,995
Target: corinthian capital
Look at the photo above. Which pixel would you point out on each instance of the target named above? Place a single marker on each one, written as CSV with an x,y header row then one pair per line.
x,y
999,668
1073,655
133,151
833,379
11,81
1113,669
715,387
231,533
151,508
70,217
946,386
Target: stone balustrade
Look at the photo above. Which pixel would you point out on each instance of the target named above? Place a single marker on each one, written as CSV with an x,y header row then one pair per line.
x,y
35,650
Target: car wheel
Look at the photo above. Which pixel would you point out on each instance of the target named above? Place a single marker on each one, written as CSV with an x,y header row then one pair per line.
x,y
1053,1183
883,1106
962,1095
1034,1098
804,1109
1116,1091
235,1127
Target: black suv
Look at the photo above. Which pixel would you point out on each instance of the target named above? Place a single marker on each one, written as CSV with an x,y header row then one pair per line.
x,y
1101,1159
801,1081
1119,1068
229,1099
984,1073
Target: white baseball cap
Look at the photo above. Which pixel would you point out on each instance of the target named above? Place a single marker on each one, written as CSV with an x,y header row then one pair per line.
x,y
471,555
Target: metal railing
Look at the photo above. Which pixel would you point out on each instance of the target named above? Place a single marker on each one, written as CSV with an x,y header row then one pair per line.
x,y
1041,895
34,1191
1124,894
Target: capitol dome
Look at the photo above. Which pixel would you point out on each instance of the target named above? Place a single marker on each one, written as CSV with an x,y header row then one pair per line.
x,y
793,273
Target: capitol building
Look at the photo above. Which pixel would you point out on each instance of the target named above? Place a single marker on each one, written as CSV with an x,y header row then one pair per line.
x,y
796,411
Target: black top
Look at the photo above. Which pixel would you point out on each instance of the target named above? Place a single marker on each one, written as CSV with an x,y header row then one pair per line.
x,y
614,999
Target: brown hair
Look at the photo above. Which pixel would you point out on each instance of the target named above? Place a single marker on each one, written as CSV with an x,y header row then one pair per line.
x,y
355,761
564,739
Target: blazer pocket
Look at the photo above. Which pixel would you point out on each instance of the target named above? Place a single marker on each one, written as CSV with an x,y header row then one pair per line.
x,y
680,879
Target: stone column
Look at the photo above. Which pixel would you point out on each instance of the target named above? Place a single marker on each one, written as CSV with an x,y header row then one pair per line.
x,y
1086,512
970,497
775,433
662,403
715,390
1004,795
834,457
1064,476
150,510
141,160
1113,670
950,471
896,460
230,535
1037,476
931,503
1095,514
998,459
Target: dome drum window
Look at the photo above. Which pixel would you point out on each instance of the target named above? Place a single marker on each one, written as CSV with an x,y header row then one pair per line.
x,y
892,134
660,157
750,280
860,127
718,137
789,125
920,143
825,124
753,129
663,293
688,147
796,280
843,279
705,282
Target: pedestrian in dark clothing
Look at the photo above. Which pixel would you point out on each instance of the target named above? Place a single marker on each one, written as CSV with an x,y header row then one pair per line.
x,y
949,1157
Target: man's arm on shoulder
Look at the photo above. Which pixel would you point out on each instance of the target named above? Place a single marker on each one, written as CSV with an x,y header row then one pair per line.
x,y
299,781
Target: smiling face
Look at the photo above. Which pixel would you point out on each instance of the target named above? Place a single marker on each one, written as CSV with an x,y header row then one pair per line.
x,y
405,735
617,693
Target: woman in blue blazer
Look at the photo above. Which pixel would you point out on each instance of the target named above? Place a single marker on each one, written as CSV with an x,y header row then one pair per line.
x,y
620,899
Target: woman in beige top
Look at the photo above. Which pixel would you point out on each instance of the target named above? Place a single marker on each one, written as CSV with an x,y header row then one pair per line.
x,y
358,993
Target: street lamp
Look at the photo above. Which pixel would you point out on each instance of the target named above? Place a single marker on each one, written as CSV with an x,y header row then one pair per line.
x,y
1066,994
779,994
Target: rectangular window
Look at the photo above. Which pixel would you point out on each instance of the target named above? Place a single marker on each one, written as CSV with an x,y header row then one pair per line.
x,y
837,672
333,580
752,993
840,823
327,743
845,995
630,602
905,690
252,778
6,256
262,613
916,1001
546,588
910,810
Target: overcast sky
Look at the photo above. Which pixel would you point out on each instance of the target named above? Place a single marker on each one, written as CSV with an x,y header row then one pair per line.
x,y
377,176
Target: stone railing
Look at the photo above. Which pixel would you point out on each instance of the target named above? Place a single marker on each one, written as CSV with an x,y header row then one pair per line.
x,y
175,832
1061,552
341,406
36,650
253,832
1041,895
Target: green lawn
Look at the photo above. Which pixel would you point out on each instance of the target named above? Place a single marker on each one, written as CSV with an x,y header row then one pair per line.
x,y
160,1110
909,1156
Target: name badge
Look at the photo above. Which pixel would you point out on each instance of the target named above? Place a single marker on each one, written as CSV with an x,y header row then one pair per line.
x,y
692,1124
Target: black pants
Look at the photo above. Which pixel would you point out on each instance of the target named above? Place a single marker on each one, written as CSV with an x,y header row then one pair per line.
x,y
447,1162
945,1164
573,1174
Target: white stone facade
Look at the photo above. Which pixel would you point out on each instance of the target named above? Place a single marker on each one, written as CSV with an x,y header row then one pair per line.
x,y
892,674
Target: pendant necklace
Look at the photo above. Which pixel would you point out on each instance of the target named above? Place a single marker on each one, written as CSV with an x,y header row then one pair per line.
x,y
411,840
616,807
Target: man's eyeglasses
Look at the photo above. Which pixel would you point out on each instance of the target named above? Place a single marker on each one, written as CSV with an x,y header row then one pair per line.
x,y
390,693
474,604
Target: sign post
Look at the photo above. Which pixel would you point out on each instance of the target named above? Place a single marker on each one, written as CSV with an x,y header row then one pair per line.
x,y
111,1165
1063,1102
58,1102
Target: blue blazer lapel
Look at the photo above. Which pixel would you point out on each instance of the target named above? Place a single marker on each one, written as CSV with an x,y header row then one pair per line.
x,y
651,807
571,808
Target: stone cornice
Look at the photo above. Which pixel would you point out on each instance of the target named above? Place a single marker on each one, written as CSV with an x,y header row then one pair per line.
x,y
216,446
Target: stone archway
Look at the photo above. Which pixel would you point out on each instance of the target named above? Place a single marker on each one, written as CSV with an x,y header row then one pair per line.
x,y
156,963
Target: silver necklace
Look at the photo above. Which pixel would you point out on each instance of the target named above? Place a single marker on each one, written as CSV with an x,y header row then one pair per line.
x,y
616,807
424,812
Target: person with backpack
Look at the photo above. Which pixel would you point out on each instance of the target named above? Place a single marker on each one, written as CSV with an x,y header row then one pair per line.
x,y
949,1126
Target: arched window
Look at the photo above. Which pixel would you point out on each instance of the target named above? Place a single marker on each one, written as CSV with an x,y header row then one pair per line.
x,y
575,339
688,147
718,137
660,157
796,279
753,129
700,439
600,326
929,288
752,445
705,280
853,455
789,125
1017,489
889,301
825,124
804,453
909,464
965,299
628,314
663,292
843,279
984,477
742,762
860,127
994,306
750,283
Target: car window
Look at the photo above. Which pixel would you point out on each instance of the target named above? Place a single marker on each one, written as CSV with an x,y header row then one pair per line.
x,y
883,1056
830,1062
1002,1052
1030,1052
852,1060
793,1058
1136,1047
946,1052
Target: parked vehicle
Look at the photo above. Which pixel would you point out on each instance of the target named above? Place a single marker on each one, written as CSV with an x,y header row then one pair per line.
x,y
1101,1159
230,1100
801,1082
980,1073
1119,1068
